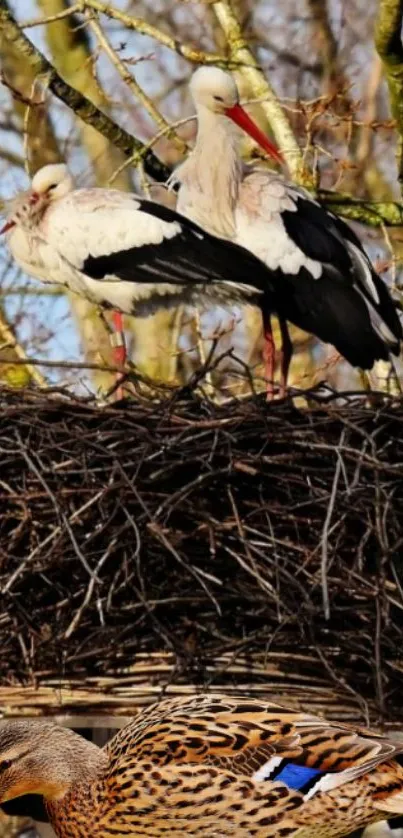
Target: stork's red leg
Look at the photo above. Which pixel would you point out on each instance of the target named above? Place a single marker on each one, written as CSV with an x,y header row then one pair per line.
x,y
269,355
119,347
286,355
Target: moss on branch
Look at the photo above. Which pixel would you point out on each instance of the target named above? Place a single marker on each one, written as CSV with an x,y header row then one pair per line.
x,y
388,41
372,213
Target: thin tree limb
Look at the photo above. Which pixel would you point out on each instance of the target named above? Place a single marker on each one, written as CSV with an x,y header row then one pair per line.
x,y
335,79
81,105
139,25
372,213
133,85
241,54
388,42
71,55
16,368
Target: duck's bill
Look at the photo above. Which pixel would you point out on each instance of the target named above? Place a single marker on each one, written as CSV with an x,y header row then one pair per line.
x,y
7,226
241,118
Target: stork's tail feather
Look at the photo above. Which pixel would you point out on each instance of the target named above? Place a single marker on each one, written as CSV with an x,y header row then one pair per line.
x,y
382,307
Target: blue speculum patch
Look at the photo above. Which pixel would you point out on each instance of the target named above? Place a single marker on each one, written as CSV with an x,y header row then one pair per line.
x,y
297,776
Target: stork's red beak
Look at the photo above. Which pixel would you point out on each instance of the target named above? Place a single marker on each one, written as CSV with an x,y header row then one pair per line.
x,y
238,115
32,198
8,226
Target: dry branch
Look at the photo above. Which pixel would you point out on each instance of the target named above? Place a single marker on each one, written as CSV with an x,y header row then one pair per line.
x,y
133,85
135,24
79,104
388,40
71,53
374,214
241,54
15,367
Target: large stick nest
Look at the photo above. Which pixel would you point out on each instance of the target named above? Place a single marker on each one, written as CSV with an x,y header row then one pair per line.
x,y
247,547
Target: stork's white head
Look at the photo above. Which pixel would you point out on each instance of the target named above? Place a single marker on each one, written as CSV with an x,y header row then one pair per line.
x,y
50,183
214,89
53,181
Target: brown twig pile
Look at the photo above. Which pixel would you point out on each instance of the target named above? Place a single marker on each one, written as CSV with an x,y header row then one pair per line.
x,y
178,544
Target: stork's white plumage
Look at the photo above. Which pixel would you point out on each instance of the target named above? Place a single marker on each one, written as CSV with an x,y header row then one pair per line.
x,y
324,282
124,252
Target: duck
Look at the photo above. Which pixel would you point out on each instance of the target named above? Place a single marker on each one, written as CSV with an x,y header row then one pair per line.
x,y
208,766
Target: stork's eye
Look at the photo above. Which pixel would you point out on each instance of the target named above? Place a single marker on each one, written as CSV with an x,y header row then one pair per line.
x,y
218,98
4,764
52,186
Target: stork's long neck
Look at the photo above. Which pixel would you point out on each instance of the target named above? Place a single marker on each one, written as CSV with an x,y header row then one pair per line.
x,y
211,175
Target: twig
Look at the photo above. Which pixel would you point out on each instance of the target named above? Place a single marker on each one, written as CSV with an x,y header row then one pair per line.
x,y
241,54
388,41
136,89
138,25
209,570
82,107
325,532
59,512
7,339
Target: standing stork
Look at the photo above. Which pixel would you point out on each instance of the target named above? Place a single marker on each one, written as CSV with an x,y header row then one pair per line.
x,y
124,252
324,281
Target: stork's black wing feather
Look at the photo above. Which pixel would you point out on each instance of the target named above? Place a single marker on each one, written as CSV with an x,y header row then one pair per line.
x,y
326,238
332,311
319,234
191,256
337,307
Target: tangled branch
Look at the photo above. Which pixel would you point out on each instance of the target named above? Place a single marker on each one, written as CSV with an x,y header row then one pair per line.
x,y
204,534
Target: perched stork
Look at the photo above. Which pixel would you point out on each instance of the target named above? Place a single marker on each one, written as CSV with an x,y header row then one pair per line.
x,y
324,281
123,252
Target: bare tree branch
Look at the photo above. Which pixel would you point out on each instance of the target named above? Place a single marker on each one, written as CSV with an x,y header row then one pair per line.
x,y
372,213
139,25
388,41
334,77
133,85
82,107
241,55
15,368
71,54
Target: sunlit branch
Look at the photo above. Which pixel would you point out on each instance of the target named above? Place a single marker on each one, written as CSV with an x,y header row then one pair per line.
x,y
81,105
388,41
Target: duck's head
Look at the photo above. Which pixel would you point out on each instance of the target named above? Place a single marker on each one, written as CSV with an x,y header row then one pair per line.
x,y
43,758
215,90
49,184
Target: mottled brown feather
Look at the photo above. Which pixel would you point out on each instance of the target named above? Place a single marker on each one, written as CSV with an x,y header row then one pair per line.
x,y
186,766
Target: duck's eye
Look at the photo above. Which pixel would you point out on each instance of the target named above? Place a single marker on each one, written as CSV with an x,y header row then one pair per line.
x,y
4,764
52,186
218,98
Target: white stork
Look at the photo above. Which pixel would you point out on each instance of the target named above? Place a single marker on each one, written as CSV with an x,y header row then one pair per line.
x,y
124,252
324,281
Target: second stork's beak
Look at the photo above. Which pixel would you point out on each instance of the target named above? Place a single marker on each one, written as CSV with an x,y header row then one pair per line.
x,y
33,198
241,118
7,226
